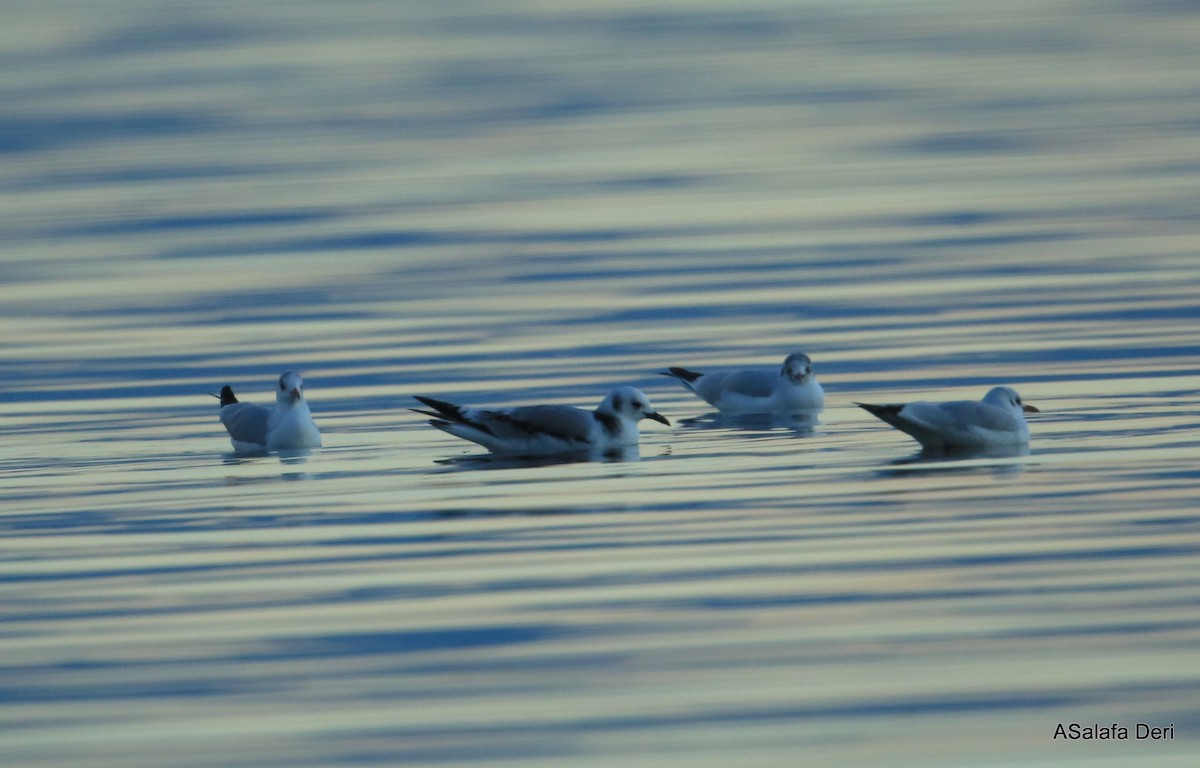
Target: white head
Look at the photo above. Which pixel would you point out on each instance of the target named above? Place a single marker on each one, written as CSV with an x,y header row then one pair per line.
x,y
291,388
629,403
797,368
1007,397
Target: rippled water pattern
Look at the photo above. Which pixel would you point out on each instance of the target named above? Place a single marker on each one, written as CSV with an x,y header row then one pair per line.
x,y
535,202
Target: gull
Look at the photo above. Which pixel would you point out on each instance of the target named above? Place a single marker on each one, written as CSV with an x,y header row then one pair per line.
x,y
287,426
793,389
543,430
995,421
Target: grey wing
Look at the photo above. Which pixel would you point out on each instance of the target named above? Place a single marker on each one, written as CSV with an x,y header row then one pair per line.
x,y
246,422
959,417
750,383
559,421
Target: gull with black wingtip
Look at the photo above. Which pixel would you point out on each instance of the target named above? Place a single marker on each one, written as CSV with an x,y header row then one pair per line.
x,y
793,389
544,430
998,420
287,426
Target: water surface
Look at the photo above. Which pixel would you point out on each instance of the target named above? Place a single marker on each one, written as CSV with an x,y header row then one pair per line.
x,y
535,204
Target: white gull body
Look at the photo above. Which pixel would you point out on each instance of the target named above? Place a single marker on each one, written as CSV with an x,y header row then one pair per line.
x,y
997,420
791,389
544,430
287,426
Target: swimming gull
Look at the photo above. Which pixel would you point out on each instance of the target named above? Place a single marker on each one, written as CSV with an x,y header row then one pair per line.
x,y
793,389
287,426
541,430
996,420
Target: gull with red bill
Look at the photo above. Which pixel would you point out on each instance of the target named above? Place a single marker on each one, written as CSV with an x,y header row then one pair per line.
x,y
997,420
288,426
792,389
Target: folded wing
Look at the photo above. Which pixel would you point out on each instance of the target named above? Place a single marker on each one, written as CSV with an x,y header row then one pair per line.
x,y
246,422
561,422
750,383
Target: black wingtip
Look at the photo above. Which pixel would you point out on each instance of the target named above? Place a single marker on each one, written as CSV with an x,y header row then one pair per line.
x,y
444,409
437,405
226,397
880,410
683,374
436,419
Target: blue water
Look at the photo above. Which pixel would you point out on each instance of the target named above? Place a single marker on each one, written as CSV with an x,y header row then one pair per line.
x,y
536,203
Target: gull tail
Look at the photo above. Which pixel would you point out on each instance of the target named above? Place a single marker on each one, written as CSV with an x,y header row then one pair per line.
x,y
442,411
453,419
914,429
886,413
226,397
683,374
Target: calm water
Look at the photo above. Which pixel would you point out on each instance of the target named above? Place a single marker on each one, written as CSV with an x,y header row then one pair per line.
x,y
535,202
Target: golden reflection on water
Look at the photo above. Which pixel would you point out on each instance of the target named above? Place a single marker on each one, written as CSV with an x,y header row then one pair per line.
x,y
530,206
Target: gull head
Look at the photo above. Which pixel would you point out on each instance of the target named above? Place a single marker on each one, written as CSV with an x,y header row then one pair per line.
x,y
291,388
1007,397
797,368
629,403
